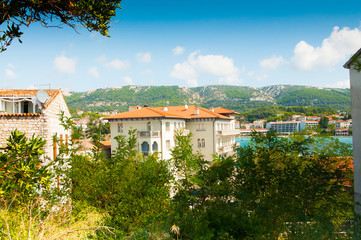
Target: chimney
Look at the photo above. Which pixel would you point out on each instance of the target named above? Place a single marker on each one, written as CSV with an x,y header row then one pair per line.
x,y
186,106
212,109
165,109
146,105
196,111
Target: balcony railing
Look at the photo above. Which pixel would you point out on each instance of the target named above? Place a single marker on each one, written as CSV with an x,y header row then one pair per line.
x,y
225,149
228,132
148,133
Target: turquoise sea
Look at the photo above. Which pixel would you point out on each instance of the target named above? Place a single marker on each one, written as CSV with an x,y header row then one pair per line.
x,y
243,141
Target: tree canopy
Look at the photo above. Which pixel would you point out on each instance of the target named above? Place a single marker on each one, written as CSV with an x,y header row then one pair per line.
x,y
92,15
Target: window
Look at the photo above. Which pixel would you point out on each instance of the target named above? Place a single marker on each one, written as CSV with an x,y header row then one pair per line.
x,y
145,148
155,146
167,145
199,144
167,126
175,125
203,142
120,127
149,126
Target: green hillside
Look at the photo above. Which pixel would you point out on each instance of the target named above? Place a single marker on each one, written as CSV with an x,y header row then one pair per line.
x,y
238,98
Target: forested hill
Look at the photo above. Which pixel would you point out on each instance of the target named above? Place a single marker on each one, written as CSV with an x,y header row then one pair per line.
x,y
237,98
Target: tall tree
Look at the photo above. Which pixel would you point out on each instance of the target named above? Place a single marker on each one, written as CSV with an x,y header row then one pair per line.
x,y
92,15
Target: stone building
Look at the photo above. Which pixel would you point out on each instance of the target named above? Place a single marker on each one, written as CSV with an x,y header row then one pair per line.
x,y
33,112
213,133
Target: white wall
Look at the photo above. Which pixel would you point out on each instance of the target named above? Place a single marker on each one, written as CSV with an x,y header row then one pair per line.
x,y
355,78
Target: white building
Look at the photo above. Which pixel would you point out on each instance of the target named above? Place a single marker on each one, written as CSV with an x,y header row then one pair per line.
x,y
213,133
312,124
343,124
287,127
33,112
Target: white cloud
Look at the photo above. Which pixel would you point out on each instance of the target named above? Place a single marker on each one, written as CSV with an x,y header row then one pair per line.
x,y
144,57
117,64
340,84
196,65
32,87
11,65
93,71
272,63
64,64
128,80
10,74
340,45
178,50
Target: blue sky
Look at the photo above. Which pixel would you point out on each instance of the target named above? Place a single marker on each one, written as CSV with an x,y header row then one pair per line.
x,y
193,43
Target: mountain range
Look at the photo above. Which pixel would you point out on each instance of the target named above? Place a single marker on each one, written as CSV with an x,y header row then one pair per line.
x,y
238,98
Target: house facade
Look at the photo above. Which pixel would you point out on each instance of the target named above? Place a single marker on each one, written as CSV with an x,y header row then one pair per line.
x,y
33,112
212,133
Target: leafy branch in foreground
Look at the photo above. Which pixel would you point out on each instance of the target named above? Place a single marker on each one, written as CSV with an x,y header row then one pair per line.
x,y
92,15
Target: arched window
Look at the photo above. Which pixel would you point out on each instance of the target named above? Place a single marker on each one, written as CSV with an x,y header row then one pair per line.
x,y
155,146
203,142
149,126
199,143
120,127
145,148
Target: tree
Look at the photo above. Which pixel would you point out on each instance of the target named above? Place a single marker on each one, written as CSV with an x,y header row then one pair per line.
x,y
22,172
296,186
92,15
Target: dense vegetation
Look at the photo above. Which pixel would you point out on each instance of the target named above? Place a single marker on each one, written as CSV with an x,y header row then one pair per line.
x,y
285,113
240,99
289,188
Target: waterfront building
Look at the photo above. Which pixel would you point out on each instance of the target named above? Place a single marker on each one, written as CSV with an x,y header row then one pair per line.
x,y
286,127
212,133
33,112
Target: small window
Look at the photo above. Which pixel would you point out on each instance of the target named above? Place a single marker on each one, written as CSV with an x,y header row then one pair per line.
x,y
167,145
120,127
155,146
167,126
199,144
149,126
203,143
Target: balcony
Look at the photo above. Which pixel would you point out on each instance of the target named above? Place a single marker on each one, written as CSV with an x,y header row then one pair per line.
x,y
228,132
225,149
148,133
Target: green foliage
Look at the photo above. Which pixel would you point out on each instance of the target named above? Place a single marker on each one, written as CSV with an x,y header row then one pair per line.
x,y
290,187
316,97
92,15
22,171
295,184
133,191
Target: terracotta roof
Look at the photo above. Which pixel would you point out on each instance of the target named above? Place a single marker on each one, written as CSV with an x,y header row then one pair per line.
x,y
30,93
105,144
172,112
19,114
190,112
285,122
221,110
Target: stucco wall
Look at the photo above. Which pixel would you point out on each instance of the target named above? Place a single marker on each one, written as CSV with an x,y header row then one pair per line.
x,y
355,78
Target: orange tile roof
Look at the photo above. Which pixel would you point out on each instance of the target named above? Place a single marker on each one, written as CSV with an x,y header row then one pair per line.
x,y
105,143
30,93
172,112
20,114
221,110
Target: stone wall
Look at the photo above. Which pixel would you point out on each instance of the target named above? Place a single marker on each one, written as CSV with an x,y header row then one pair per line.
x,y
28,124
